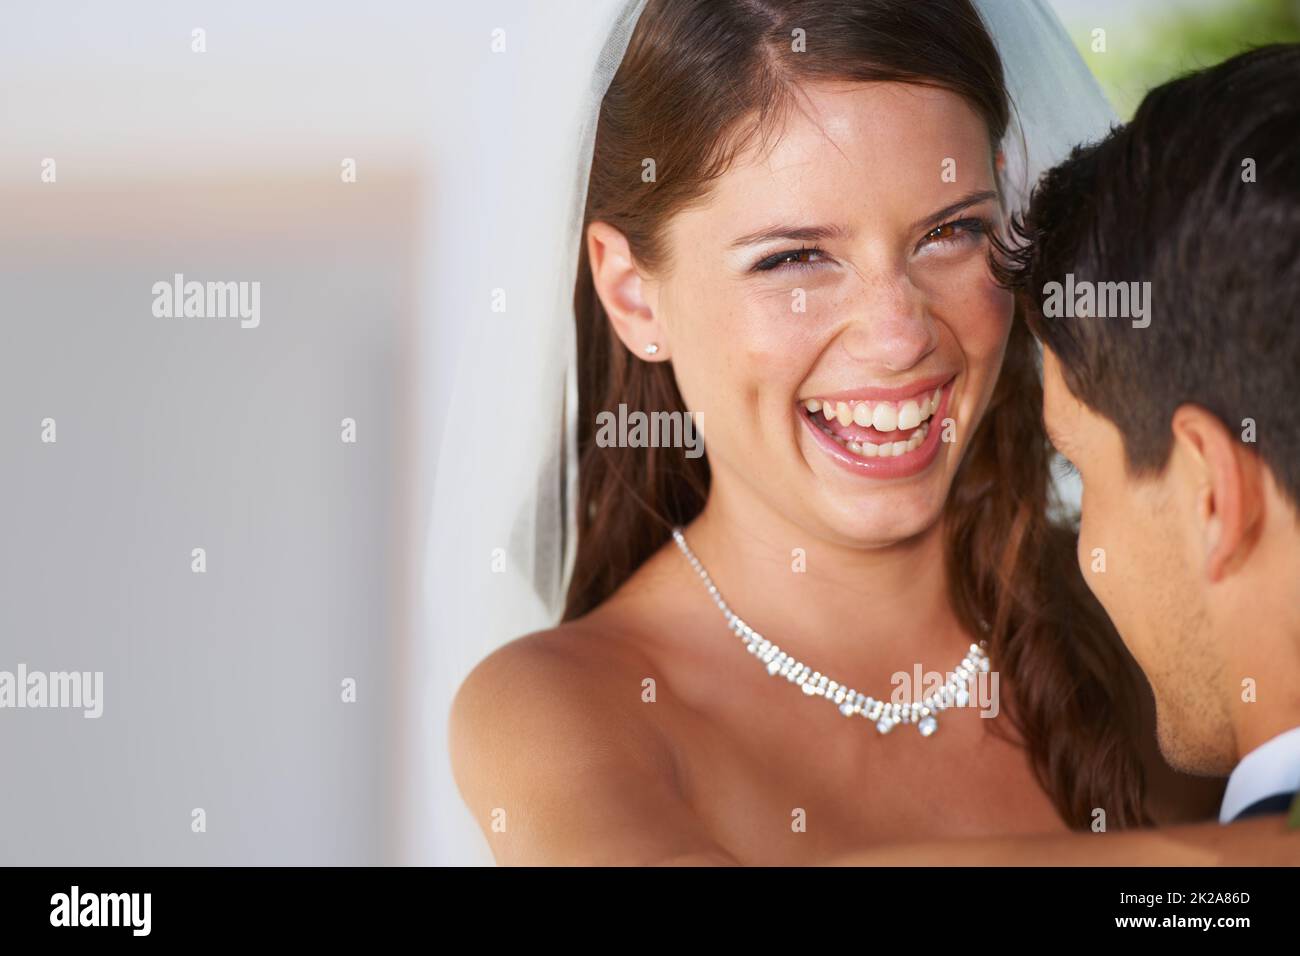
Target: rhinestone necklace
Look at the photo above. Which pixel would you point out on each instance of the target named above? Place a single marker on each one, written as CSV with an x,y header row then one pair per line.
x,y
922,713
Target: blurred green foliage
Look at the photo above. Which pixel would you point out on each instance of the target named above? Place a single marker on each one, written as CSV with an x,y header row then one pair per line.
x,y
1160,42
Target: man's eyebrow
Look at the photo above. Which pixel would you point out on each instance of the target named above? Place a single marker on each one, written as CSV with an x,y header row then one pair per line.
x,y
821,231
937,218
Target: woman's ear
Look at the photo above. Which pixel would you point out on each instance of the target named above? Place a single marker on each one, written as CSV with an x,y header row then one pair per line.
x,y
628,298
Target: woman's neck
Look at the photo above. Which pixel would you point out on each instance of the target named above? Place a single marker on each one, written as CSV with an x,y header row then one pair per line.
x,y
833,606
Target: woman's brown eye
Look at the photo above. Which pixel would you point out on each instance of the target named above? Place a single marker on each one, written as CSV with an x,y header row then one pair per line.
x,y
795,258
956,231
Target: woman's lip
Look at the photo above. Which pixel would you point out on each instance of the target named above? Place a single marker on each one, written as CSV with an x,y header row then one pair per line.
x,y
904,466
881,393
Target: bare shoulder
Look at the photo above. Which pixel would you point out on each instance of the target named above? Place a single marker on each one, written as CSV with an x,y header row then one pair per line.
x,y
570,674
558,759
573,650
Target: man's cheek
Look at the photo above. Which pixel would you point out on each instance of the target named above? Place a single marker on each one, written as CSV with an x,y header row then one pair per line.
x,y
1093,553
1108,569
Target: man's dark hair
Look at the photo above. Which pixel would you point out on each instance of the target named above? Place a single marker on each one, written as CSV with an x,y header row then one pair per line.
x,y
1200,196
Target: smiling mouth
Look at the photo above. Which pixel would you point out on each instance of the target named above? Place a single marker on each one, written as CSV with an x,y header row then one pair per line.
x,y
873,428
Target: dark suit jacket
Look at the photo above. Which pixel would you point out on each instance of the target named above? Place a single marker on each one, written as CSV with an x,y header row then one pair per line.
x,y
1277,803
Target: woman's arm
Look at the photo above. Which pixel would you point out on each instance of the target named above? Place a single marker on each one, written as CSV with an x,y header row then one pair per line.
x,y
1260,841
560,767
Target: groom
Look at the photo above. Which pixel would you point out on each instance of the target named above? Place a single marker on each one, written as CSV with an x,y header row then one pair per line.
x,y
1162,277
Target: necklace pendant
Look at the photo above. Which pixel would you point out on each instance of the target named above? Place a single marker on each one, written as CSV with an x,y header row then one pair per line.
x,y
886,716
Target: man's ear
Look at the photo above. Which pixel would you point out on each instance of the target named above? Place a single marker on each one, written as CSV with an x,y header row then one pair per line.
x,y
625,294
1227,484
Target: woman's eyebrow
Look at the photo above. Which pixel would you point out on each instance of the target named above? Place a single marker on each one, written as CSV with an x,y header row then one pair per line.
x,y
821,232
936,218
812,233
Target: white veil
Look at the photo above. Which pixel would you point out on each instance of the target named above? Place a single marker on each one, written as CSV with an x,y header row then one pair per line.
x,y
510,188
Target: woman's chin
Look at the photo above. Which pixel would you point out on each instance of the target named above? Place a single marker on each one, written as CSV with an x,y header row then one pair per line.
x,y
887,518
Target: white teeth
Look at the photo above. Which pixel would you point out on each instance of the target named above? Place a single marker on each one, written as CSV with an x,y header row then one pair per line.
x,y
903,415
911,416
889,449
884,418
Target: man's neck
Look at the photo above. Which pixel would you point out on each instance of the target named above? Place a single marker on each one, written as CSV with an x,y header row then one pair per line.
x,y
1263,633
1273,705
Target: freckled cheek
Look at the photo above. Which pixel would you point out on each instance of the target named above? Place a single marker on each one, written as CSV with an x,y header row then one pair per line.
x,y
740,358
979,315
974,314
780,342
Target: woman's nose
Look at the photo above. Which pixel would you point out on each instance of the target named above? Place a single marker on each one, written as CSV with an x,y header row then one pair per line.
x,y
890,328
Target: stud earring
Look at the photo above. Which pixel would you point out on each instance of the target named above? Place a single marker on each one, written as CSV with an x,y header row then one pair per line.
x,y
652,348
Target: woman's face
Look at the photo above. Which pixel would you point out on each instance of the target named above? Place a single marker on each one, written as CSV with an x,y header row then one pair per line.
x,y
842,274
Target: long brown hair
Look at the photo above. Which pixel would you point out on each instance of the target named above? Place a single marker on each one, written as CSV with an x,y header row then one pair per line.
x,y
699,81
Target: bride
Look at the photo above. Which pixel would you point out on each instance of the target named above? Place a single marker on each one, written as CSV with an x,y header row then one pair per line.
x,y
784,236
